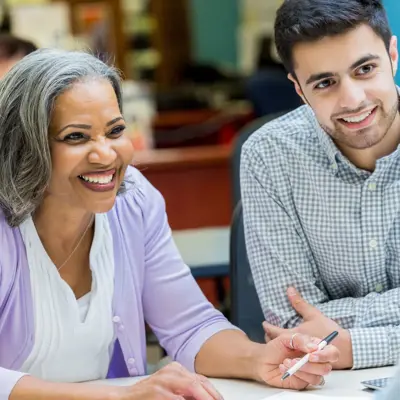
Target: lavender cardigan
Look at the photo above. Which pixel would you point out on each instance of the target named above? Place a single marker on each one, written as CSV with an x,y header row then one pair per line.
x,y
152,284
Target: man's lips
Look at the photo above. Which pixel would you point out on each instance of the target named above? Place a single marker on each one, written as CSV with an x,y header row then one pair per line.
x,y
360,120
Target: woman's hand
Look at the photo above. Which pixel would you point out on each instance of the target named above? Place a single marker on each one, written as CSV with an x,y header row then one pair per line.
x,y
172,382
276,357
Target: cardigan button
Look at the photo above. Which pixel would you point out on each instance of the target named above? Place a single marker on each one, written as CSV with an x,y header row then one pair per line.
x,y
133,371
116,319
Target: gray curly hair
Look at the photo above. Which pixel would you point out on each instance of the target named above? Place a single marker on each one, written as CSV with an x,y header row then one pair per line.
x,y
27,95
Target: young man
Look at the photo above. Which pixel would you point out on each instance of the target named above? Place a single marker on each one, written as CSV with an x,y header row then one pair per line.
x,y
321,185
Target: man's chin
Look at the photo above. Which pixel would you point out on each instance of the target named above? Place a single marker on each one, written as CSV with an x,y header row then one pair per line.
x,y
362,140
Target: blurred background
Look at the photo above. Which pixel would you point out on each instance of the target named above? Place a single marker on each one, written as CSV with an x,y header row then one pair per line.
x,y
199,77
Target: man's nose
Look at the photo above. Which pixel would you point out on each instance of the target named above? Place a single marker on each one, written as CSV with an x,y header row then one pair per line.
x,y
352,95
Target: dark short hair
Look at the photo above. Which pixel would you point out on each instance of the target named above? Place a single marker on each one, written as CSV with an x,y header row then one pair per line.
x,y
11,46
300,21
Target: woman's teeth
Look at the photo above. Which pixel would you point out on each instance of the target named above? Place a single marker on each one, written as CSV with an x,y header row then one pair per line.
x,y
358,118
97,179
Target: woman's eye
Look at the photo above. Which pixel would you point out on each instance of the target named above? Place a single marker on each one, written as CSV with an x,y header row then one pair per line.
x,y
117,130
75,136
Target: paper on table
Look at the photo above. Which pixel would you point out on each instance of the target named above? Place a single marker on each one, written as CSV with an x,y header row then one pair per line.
x,y
310,396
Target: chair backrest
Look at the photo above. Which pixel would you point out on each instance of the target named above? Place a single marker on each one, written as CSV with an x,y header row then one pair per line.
x,y
243,135
246,311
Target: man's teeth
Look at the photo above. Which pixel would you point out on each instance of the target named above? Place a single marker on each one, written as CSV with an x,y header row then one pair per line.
x,y
97,179
358,118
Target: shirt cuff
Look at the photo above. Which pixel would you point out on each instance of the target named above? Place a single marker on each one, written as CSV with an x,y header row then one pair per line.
x,y
372,347
187,356
8,379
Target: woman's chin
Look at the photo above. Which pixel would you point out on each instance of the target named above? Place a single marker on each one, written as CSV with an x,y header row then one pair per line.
x,y
101,207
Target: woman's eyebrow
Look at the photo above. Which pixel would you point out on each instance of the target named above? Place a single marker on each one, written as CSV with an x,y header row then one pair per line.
x,y
79,126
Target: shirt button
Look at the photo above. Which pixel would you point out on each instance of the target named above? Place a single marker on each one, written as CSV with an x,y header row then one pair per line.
x,y
131,361
121,327
372,186
373,244
379,287
334,167
116,319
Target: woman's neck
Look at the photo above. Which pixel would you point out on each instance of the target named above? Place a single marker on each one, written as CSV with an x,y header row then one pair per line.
x,y
60,225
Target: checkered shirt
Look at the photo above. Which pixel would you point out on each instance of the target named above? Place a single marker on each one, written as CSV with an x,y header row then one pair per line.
x,y
316,222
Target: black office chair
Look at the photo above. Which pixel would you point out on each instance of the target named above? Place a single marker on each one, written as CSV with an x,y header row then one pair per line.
x,y
246,310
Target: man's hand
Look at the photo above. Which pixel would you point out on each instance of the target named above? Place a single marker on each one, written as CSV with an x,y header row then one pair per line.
x,y
315,324
271,361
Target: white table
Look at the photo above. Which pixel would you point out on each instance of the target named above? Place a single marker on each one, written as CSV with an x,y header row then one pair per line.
x,y
203,246
338,383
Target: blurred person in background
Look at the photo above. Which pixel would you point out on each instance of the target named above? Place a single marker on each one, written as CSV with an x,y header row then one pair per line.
x,y
13,49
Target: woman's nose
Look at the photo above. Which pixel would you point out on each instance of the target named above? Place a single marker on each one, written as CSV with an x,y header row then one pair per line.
x,y
102,153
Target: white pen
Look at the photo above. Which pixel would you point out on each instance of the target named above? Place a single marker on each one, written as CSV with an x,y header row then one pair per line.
x,y
291,371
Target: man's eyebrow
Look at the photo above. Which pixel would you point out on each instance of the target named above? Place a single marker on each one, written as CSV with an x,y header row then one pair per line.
x,y
319,76
327,75
364,59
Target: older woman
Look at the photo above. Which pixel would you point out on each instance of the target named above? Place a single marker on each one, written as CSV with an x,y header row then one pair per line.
x,y
87,255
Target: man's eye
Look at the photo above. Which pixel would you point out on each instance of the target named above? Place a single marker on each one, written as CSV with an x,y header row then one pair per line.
x,y
324,84
366,69
117,130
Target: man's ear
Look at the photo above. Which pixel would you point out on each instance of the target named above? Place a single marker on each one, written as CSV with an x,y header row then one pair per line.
x,y
394,54
297,87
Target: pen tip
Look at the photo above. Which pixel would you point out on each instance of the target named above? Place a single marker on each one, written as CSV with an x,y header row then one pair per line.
x,y
285,375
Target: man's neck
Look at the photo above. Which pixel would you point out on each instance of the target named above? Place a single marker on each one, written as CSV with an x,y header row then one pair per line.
x,y
366,158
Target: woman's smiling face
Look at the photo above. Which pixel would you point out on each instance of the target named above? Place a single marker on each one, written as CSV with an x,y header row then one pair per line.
x,y
89,147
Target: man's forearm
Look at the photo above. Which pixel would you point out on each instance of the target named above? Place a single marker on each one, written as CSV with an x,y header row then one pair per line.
x,y
228,354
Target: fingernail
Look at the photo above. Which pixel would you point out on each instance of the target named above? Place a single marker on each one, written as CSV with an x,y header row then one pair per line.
x,y
292,291
287,363
312,346
314,358
282,368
